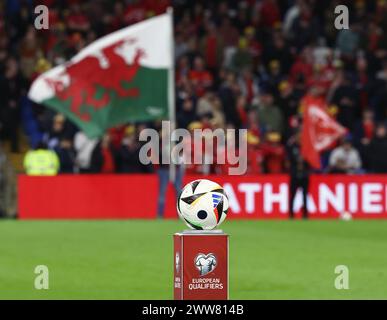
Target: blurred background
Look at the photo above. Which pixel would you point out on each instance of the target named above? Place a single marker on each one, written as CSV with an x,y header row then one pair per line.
x,y
239,64
249,64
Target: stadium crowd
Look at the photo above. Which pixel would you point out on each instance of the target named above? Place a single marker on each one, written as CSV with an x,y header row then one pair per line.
x,y
239,64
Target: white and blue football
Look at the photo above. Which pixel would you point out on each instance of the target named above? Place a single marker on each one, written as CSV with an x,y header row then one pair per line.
x,y
202,204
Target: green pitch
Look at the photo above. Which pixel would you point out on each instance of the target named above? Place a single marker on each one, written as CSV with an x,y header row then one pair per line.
x,y
134,259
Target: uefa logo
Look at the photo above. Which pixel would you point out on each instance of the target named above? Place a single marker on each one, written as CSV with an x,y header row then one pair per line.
x,y
205,263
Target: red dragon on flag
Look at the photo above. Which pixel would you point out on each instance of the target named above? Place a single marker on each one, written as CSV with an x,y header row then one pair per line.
x,y
108,71
122,77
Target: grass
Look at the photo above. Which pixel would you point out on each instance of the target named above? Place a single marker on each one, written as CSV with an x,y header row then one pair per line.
x,y
134,259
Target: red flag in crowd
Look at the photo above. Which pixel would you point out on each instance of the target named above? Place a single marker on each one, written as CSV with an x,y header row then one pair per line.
x,y
319,133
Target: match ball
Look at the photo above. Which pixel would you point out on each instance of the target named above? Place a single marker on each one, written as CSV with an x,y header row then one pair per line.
x,y
202,204
346,216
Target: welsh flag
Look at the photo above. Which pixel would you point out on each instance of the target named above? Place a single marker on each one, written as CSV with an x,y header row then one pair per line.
x,y
118,78
319,132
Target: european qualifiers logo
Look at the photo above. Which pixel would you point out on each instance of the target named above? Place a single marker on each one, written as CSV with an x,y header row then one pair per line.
x,y
205,263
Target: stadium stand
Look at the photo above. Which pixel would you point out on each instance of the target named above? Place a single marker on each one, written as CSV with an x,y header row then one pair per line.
x,y
242,64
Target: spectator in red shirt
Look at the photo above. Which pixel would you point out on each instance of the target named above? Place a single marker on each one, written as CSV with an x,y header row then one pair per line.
x,y
212,47
254,46
254,155
274,153
248,85
135,12
117,20
254,152
77,21
116,135
186,27
229,33
270,13
103,156
302,67
200,77
156,7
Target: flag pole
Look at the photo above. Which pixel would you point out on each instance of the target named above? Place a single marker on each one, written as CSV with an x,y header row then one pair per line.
x,y
171,97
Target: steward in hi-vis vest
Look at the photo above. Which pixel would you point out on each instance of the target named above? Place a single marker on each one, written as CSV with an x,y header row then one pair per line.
x,y
41,162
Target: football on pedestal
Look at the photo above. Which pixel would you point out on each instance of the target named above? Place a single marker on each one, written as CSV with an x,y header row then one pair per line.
x,y
201,254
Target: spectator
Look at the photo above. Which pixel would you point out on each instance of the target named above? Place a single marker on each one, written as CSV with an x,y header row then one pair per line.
x,y
278,50
186,113
103,158
218,119
66,155
230,37
289,48
348,41
182,70
302,68
128,160
254,154
377,150
288,101
361,82
77,20
11,88
269,115
212,47
41,162
270,13
346,99
305,28
274,77
290,16
254,46
201,78
380,104
227,94
229,33
84,147
242,58
56,133
345,158
274,153
248,85
180,46
30,51
363,133
205,104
